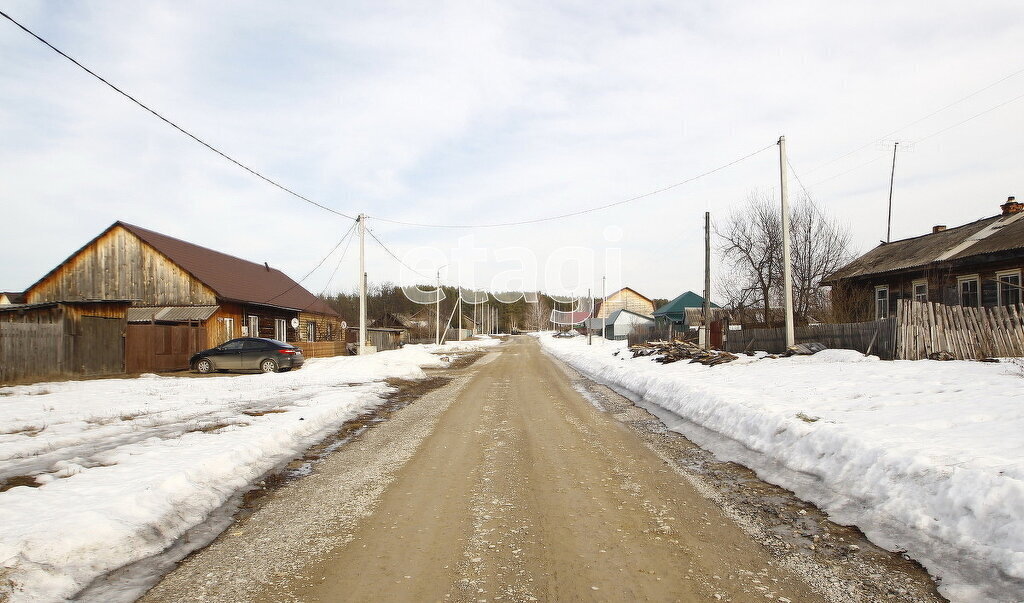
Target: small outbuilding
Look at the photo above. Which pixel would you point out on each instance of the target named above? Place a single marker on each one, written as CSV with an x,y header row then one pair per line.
x,y
619,324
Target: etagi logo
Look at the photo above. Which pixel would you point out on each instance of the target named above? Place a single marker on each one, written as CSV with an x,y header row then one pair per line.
x,y
566,273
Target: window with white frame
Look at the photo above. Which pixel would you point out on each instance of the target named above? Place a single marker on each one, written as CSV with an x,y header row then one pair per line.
x,y
967,286
920,290
881,302
229,328
280,329
1009,287
254,325
311,331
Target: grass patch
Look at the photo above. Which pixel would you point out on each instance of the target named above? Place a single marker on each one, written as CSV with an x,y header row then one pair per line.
x,y
807,418
260,413
29,430
19,480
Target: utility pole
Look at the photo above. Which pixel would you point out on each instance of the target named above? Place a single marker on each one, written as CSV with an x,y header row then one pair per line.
x,y
589,330
460,313
787,266
892,176
604,308
707,280
362,284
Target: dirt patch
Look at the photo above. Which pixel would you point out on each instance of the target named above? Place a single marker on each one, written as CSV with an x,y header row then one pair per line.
x,y
27,430
403,393
19,480
260,413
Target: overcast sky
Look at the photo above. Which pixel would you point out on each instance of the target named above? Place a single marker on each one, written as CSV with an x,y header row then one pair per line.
x,y
482,112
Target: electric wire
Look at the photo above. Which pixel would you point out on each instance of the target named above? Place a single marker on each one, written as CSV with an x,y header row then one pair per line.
x,y
797,176
174,125
975,116
392,254
915,122
350,230
580,212
333,274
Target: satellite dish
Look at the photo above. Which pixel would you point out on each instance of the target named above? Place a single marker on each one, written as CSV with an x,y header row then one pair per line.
x,y
295,323
344,325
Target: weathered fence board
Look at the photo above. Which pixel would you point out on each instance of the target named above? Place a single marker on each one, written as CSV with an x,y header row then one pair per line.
x,y
30,350
927,328
877,336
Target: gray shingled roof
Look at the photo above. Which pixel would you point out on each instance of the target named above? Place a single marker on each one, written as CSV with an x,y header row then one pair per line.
x,y
1001,233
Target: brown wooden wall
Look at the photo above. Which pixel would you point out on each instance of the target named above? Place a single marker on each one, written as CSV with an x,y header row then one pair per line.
x,y
626,300
155,348
119,265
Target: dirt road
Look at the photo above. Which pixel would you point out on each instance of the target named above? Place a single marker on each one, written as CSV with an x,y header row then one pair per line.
x,y
509,484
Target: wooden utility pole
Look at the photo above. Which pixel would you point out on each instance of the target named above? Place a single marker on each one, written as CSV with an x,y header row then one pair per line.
x,y
787,265
589,330
707,280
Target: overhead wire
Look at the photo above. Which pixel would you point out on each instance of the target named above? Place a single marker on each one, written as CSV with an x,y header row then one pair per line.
x,y
579,212
917,121
335,272
350,230
174,125
392,254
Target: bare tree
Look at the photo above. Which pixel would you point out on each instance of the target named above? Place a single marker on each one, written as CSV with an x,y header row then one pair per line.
x,y
751,247
752,250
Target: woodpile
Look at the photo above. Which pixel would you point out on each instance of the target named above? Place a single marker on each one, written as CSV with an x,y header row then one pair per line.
x,y
667,352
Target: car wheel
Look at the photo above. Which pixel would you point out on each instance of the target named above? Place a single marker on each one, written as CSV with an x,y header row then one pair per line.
x,y
203,365
268,366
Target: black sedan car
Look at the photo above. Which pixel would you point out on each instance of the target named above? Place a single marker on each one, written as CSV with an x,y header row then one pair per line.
x,y
248,354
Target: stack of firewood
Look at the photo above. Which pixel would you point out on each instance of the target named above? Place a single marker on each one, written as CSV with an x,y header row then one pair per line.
x,y
667,352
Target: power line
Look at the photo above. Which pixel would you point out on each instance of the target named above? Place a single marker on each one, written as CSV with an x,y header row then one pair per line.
x,y
336,268
392,254
350,230
174,125
915,122
797,176
960,123
583,211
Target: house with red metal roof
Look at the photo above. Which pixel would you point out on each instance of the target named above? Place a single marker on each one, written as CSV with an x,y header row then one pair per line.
x,y
174,282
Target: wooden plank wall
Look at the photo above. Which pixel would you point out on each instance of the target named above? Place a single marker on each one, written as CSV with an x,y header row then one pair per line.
x,y
30,350
156,348
876,336
926,328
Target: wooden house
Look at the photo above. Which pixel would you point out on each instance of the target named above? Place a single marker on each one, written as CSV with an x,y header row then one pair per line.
x,y
172,282
686,311
8,298
977,264
624,299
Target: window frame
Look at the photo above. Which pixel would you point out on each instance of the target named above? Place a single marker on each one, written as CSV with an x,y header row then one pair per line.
x,y
913,289
280,329
878,289
999,285
249,320
311,331
960,280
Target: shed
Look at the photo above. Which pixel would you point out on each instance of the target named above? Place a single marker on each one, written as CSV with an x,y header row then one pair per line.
x,y
619,324
61,339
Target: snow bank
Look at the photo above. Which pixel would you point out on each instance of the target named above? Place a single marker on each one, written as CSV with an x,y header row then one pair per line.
x,y
128,465
924,456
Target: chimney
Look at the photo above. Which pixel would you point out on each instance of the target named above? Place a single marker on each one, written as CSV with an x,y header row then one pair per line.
x,y
1011,206
938,228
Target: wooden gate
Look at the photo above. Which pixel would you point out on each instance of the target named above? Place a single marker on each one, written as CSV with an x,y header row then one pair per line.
x,y
99,346
156,348
29,350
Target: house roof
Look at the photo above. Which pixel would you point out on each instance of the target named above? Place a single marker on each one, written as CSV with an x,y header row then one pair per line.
x,y
14,297
990,235
597,323
630,289
678,306
171,313
233,278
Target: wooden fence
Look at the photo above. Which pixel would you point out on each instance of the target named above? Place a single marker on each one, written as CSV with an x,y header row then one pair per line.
x,y
926,328
877,337
153,348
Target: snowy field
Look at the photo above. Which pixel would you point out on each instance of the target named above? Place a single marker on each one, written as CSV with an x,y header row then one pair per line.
x,y
925,456
129,465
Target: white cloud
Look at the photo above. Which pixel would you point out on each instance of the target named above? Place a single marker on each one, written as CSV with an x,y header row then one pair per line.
x,y
480,112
